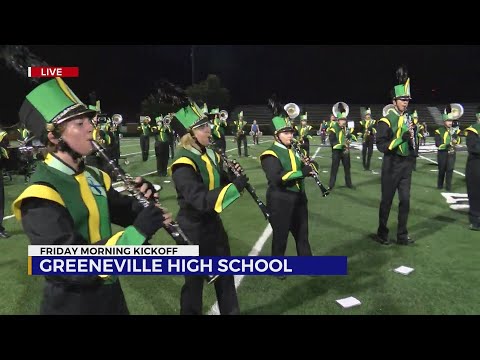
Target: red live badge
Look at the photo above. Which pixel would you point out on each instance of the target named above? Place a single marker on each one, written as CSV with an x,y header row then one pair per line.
x,y
52,71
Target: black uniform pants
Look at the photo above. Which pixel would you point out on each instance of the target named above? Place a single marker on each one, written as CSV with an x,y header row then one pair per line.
x,y
367,151
288,213
306,146
64,299
144,146
472,174
213,240
240,139
446,164
396,175
171,145
161,154
337,156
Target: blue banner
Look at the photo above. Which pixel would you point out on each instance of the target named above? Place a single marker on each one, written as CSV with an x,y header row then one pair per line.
x,y
187,265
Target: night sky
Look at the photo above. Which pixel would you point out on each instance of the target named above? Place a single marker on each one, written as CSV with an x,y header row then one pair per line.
x,y
122,75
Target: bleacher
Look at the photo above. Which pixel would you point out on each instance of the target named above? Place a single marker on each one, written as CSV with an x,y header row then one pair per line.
x,y
431,114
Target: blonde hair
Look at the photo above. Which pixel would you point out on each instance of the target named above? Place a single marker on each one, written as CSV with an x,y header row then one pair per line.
x,y
187,141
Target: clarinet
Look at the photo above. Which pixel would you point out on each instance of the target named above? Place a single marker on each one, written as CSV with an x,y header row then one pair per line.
x,y
173,228
325,191
248,187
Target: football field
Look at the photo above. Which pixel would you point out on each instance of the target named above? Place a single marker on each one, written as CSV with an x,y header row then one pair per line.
x,y
446,279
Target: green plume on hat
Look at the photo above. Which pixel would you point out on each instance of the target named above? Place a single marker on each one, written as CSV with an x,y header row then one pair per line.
x,y
205,108
402,90
240,115
304,117
415,114
215,111
51,102
158,119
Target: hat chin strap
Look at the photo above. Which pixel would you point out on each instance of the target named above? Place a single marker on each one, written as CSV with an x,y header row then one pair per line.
x,y
63,146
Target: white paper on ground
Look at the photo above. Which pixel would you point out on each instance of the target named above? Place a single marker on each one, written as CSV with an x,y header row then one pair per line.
x,y
349,302
404,270
166,181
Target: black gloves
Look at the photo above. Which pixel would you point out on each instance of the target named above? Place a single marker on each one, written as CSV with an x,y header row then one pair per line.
x,y
406,136
349,136
150,185
149,220
306,170
240,182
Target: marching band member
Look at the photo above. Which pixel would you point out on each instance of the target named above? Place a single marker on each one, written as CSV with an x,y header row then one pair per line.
x,y
146,130
340,138
240,134
472,173
3,156
304,133
424,133
446,139
203,192
416,131
286,197
395,139
161,134
73,204
368,138
115,139
101,136
323,131
218,130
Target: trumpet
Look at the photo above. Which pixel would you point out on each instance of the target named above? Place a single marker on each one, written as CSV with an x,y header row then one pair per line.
x,y
306,161
173,228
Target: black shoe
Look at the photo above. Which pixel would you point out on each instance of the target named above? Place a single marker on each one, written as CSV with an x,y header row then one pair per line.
x,y
280,277
407,241
380,240
474,227
4,234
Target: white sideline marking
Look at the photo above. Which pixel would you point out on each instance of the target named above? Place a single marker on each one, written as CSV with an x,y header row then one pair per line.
x,y
257,248
433,161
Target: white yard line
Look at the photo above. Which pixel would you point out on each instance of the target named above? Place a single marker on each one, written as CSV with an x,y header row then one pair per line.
x,y
257,248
